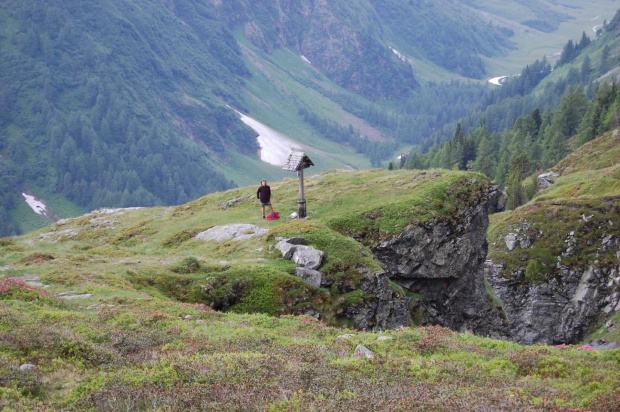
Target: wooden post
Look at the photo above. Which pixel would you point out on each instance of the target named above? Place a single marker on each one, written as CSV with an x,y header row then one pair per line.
x,y
297,162
301,203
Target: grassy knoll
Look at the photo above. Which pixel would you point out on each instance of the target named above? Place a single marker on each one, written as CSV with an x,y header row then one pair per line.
x,y
141,332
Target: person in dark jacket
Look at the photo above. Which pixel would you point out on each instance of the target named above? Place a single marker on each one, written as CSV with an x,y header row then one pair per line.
x,y
264,195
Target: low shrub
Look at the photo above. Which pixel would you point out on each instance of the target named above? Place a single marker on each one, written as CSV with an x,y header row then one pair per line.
x,y
18,289
27,382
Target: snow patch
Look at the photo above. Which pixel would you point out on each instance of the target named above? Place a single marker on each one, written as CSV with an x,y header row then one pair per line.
x,y
305,59
399,54
274,147
497,80
37,206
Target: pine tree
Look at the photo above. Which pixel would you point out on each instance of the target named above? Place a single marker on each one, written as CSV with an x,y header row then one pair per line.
x,y
519,166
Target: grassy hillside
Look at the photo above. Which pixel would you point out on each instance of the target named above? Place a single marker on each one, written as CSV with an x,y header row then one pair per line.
x,y
135,329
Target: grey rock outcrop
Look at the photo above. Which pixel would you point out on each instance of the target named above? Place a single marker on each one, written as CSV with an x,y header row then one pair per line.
x,y
558,282
237,232
560,310
546,179
385,310
443,261
310,276
307,256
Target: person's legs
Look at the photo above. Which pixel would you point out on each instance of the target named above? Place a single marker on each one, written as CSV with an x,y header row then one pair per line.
x,y
271,207
263,212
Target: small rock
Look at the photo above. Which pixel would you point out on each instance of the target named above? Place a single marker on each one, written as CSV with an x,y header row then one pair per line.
x,y
363,351
73,297
27,367
310,276
188,316
511,241
525,243
313,313
343,337
293,215
601,344
382,338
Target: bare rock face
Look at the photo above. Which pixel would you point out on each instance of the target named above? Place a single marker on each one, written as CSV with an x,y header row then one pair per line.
x,y
386,309
443,262
560,310
557,280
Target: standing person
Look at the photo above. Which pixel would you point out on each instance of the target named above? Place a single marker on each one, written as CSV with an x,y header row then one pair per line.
x,y
264,195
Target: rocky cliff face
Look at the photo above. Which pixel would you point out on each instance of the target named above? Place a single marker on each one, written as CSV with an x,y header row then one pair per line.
x,y
557,311
443,262
385,310
558,282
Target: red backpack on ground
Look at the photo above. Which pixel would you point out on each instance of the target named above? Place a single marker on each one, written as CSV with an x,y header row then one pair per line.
x,y
273,216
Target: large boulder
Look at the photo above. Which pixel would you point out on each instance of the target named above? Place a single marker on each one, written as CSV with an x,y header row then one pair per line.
x,y
306,256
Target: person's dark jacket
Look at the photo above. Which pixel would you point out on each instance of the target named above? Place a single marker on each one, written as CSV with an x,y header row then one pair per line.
x,y
264,194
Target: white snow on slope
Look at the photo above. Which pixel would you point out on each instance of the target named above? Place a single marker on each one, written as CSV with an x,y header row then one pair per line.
x,y
497,80
274,147
36,206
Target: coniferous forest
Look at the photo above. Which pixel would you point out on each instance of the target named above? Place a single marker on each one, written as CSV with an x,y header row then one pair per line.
x,y
577,109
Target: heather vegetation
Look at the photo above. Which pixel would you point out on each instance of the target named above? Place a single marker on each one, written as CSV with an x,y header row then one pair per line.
x,y
115,310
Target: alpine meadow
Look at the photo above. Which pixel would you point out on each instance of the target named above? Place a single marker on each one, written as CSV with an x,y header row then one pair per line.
x,y
447,180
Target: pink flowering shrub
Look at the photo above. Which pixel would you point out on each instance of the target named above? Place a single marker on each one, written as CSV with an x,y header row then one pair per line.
x,y
435,338
12,288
